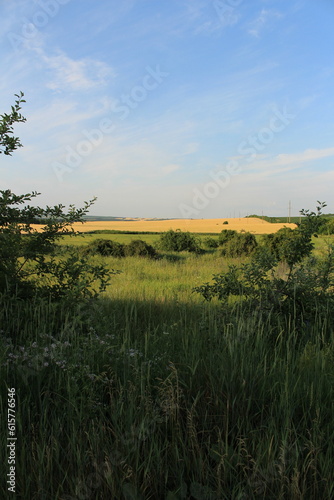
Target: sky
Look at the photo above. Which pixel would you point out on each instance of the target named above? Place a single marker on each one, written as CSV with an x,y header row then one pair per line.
x,y
171,109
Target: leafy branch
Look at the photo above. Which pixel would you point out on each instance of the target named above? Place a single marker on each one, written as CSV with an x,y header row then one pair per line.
x,y
8,142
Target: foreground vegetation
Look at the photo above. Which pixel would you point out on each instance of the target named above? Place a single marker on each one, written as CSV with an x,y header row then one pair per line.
x,y
154,393
143,389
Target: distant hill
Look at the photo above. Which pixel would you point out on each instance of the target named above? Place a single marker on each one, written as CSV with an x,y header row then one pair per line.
x,y
283,220
107,218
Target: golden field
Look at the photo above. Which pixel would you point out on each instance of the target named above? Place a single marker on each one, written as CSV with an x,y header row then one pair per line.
x,y
252,224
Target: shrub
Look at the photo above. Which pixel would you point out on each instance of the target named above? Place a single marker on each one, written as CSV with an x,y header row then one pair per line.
x,y
140,248
327,227
225,222
288,245
304,293
240,244
28,263
226,235
211,243
178,241
106,248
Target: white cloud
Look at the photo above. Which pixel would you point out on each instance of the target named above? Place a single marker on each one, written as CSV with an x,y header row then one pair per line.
x,y
169,169
256,26
136,162
82,74
291,161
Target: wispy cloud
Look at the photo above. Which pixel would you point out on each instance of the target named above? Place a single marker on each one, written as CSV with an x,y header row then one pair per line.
x,y
85,65
265,17
294,160
71,74
141,161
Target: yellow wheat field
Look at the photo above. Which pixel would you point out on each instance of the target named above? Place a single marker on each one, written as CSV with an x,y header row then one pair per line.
x,y
252,224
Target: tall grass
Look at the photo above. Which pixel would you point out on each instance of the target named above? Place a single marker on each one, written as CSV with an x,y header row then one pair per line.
x,y
152,394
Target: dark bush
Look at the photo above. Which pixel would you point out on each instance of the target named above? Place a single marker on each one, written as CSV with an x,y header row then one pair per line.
x,y
226,235
304,294
240,244
288,245
327,227
211,243
140,248
178,241
225,222
106,248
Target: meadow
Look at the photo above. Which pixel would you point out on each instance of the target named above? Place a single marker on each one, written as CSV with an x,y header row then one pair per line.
x,y
152,393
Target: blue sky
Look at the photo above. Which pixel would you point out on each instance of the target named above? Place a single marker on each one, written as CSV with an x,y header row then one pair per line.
x,y
178,108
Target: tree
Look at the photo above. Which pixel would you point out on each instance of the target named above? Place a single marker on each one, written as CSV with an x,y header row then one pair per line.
x,y
29,264
8,143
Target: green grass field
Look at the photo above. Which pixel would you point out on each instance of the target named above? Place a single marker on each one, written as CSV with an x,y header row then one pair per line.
x,y
152,393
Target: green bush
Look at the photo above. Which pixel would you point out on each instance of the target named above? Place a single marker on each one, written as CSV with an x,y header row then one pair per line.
x,y
140,248
106,248
226,235
29,264
240,244
225,222
288,245
179,241
305,292
327,227
211,243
